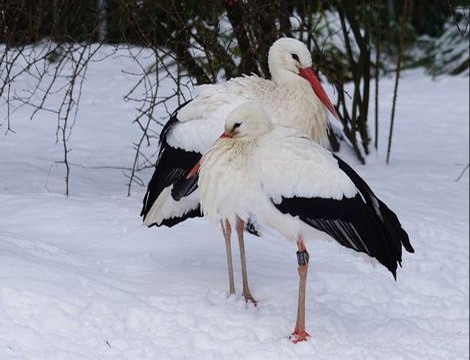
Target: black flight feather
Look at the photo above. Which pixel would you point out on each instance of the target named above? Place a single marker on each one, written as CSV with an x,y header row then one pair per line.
x,y
172,166
363,223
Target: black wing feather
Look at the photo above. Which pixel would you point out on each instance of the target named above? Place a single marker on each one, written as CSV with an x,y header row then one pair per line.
x,y
184,186
356,223
171,168
390,219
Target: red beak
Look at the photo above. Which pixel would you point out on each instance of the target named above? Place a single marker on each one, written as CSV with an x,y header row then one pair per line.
x,y
312,78
224,136
196,167
194,170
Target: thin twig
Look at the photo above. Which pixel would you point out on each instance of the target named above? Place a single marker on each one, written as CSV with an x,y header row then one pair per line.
x,y
397,76
461,174
377,71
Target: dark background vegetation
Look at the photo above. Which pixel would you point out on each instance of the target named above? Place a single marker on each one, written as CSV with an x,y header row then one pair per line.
x,y
210,41
152,23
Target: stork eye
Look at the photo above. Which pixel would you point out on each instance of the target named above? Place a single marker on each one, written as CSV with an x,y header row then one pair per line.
x,y
236,125
295,57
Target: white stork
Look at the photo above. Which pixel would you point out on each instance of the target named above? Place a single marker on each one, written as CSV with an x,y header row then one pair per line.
x,y
298,188
294,97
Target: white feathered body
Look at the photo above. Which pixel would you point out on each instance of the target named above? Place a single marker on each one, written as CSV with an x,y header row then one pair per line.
x,y
239,177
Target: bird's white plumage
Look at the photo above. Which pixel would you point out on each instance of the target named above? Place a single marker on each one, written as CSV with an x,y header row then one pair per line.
x,y
202,120
165,207
288,98
262,165
292,165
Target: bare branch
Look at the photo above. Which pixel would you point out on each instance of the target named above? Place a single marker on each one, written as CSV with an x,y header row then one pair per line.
x,y
403,22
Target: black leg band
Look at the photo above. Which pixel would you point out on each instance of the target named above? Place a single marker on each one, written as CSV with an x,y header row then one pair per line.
x,y
303,257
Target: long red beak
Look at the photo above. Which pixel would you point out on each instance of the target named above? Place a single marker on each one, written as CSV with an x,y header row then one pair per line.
x,y
312,78
196,167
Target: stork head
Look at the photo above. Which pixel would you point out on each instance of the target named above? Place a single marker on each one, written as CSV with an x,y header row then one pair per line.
x,y
287,54
246,120
289,58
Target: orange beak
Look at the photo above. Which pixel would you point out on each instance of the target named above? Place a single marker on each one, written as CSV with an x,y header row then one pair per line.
x,y
312,78
196,167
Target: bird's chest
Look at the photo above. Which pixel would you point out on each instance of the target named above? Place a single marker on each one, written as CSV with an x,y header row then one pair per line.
x,y
226,179
237,163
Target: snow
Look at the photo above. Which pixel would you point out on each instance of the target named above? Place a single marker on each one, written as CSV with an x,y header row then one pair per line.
x,y
81,278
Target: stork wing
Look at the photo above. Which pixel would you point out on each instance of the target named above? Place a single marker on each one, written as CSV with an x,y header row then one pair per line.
x,y
290,165
202,121
306,181
162,205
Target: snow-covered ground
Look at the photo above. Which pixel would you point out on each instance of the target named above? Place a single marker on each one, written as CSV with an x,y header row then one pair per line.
x,y
80,278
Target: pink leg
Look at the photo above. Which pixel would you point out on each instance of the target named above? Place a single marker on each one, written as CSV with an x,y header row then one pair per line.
x,y
299,333
246,290
227,230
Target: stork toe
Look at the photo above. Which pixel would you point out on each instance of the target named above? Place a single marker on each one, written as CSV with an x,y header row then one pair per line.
x,y
298,336
250,299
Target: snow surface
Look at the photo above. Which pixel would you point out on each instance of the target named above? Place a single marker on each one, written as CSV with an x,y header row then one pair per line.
x,y
81,278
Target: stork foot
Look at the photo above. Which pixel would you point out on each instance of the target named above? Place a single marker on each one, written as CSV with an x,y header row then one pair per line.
x,y
298,336
250,299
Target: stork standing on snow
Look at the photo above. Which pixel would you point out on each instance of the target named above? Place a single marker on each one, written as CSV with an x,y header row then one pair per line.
x,y
296,187
294,97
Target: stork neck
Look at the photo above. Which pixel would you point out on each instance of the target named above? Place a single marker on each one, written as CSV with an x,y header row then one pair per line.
x,y
288,78
303,111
